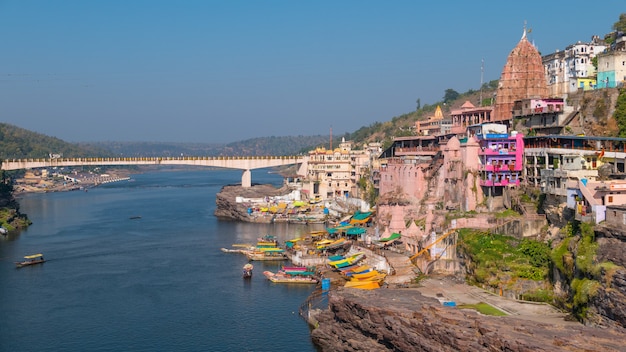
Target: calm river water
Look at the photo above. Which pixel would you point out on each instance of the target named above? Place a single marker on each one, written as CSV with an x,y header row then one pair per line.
x,y
157,283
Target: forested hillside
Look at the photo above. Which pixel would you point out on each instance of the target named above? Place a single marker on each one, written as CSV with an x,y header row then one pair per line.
x,y
404,124
16,142
286,145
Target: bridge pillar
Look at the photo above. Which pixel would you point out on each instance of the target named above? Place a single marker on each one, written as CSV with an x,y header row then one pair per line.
x,y
246,179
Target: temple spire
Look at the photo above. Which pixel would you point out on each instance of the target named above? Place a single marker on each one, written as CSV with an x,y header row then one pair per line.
x,y
524,34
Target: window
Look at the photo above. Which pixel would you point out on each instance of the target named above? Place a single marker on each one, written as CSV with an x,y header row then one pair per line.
x,y
610,199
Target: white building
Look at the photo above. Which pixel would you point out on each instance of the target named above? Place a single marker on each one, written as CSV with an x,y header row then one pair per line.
x,y
612,69
335,173
570,70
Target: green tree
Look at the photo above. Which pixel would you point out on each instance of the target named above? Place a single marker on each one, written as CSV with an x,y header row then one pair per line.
x,y
620,25
620,113
450,95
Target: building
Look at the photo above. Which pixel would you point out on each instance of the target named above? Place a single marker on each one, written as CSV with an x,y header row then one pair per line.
x,y
612,69
572,69
591,199
543,116
335,173
616,216
522,77
501,162
553,160
406,164
434,125
468,115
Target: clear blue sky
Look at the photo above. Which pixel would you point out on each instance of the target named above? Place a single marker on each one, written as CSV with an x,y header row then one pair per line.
x,y
223,71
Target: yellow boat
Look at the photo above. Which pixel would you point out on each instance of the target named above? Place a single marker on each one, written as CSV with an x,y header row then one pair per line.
x,y
360,269
365,275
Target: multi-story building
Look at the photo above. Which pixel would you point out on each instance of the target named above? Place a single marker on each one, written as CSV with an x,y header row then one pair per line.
x,y
572,69
468,115
553,160
612,68
501,161
543,116
335,173
555,71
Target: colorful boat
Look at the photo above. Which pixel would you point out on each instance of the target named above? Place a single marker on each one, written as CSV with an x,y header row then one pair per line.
x,y
351,260
305,277
31,260
365,275
363,285
267,254
247,271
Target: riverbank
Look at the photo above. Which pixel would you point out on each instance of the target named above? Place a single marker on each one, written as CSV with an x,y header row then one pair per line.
x,y
263,203
411,319
40,181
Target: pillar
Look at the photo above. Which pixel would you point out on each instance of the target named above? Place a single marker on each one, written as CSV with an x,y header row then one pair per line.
x,y
246,179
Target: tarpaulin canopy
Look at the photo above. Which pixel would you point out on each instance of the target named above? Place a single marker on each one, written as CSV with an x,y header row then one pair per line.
x,y
356,231
394,236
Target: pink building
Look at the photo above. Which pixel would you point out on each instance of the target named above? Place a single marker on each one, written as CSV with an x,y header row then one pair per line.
x,y
501,159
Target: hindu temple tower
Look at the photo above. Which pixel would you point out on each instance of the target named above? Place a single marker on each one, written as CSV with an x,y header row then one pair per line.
x,y
522,78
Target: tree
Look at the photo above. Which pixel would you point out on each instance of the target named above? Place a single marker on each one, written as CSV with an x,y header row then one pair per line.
x,y
419,103
620,113
620,25
450,95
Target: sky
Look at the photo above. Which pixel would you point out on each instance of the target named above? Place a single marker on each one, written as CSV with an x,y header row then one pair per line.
x,y
210,71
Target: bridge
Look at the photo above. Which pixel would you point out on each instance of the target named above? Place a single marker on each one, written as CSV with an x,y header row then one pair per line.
x,y
230,162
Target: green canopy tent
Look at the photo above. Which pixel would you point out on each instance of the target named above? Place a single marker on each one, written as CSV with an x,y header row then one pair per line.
x,y
355,231
394,236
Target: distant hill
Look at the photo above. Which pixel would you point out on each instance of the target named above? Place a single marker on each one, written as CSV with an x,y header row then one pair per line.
x,y
16,142
404,125
289,145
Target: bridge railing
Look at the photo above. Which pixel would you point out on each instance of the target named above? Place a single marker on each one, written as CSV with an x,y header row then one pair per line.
x,y
182,158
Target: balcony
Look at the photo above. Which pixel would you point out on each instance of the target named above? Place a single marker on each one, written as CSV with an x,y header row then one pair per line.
x,y
503,182
500,168
497,151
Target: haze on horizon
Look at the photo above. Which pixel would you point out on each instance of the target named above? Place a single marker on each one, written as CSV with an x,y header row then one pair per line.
x,y
223,71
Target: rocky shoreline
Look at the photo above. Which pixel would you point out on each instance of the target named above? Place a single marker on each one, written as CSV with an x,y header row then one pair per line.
x,y
227,208
406,320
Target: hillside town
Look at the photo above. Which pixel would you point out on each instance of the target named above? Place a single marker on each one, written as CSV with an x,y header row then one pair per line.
x,y
461,168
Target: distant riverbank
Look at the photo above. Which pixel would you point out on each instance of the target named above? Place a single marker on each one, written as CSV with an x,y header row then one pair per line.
x,y
39,181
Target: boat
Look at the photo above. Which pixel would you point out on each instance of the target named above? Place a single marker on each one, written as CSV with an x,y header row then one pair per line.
x,y
365,275
237,250
31,260
351,260
267,254
305,277
363,285
247,271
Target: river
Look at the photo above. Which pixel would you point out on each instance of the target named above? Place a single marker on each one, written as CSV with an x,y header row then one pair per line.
x,y
136,266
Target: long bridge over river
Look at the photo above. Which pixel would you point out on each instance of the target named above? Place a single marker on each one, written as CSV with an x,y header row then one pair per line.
x,y
230,162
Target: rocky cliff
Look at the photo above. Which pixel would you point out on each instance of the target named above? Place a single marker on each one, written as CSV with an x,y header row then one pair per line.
x,y
404,320
609,303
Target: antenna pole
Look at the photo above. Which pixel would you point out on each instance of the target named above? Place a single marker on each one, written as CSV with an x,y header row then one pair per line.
x,y
482,71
